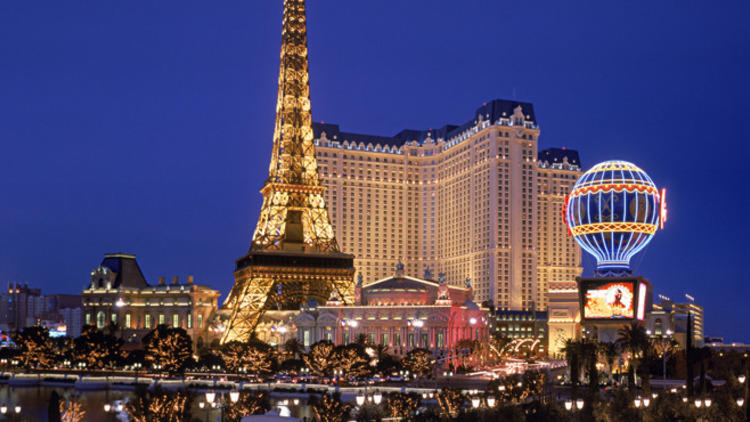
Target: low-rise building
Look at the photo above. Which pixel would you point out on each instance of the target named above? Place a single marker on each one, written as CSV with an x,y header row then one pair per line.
x,y
526,331
670,318
401,312
563,315
118,293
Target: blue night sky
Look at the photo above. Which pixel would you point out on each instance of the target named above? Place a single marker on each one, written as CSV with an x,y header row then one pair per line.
x,y
146,127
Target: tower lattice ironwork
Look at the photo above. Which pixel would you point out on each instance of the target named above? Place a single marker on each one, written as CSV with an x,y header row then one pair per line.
x,y
294,257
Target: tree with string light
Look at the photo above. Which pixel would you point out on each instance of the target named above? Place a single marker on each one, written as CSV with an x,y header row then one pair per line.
x,y
250,357
36,347
321,358
169,348
97,348
399,405
419,362
330,408
158,405
71,411
248,403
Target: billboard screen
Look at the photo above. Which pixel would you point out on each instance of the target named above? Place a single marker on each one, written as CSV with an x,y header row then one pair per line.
x,y
615,300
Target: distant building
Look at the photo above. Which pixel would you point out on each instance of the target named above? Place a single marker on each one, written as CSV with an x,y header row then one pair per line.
x,y
525,330
667,315
119,293
401,312
20,307
72,320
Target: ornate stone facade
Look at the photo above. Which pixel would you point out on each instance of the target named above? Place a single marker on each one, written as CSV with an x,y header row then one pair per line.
x,y
119,293
401,312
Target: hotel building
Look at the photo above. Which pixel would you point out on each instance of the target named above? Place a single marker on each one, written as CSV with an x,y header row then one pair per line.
x,y
118,293
476,201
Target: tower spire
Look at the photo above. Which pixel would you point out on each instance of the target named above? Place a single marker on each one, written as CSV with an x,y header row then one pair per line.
x,y
293,158
293,215
293,257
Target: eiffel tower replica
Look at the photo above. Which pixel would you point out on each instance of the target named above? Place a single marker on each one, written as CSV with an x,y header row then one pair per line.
x,y
294,257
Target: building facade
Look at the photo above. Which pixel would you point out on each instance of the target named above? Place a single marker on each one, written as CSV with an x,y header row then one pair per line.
x,y
464,200
563,316
670,318
526,331
401,312
20,306
119,293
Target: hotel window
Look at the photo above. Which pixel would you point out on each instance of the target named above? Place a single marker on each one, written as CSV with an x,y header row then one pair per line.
x,y
147,321
200,320
161,319
175,321
100,320
190,321
385,339
127,320
397,339
306,339
113,317
88,319
371,338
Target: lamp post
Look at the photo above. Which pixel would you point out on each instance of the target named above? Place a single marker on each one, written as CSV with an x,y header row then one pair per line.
x,y
113,409
574,406
11,412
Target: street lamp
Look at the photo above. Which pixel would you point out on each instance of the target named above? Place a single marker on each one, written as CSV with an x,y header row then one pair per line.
x,y
377,397
741,379
475,402
234,396
740,402
568,405
360,399
579,404
491,401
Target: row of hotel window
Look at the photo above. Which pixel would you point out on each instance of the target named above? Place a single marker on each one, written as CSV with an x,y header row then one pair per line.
x,y
101,320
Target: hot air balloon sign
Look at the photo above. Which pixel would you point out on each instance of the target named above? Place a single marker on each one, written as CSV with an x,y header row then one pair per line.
x,y
613,212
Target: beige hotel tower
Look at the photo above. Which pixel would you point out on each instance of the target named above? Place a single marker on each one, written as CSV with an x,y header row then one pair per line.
x,y
477,202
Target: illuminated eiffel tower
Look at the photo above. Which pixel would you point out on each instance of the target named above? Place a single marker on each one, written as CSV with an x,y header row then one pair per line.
x,y
294,256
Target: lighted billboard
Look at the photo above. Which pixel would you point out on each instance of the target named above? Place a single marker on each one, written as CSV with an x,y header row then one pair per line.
x,y
610,301
614,299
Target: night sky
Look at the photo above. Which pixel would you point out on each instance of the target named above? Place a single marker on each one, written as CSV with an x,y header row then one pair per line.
x,y
146,127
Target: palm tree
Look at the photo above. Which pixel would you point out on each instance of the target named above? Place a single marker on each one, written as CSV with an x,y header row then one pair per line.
x,y
609,352
634,341
590,357
381,351
294,347
572,350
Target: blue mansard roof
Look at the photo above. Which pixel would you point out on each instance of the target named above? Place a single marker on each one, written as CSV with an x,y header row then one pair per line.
x,y
493,111
558,155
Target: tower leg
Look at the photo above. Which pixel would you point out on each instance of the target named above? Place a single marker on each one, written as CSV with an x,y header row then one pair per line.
x,y
247,308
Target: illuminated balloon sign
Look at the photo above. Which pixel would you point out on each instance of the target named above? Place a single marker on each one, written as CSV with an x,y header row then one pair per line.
x,y
613,212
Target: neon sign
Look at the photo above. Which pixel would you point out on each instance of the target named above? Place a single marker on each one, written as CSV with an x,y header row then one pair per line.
x,y
613,212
